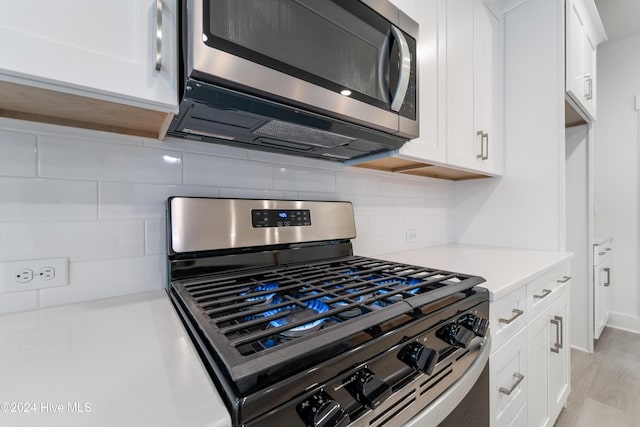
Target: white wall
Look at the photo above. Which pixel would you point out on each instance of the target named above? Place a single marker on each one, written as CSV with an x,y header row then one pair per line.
x,y
578,153
616,173
98,198
525,208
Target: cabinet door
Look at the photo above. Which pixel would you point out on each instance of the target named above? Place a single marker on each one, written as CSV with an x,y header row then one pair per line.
x,y
559,350
538,332
101,49
589,69
487,76
575,50
473,76
461,141
602,294
430,16
508,377
548,345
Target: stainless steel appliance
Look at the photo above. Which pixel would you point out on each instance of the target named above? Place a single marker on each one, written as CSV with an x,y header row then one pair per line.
x,y
295,330
333,79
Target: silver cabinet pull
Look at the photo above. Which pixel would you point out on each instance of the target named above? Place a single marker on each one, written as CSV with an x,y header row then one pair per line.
x,y
405,69
602,253
158,35
608,271
516,313
545,292
519,377
485,139
588,81
557,321
564,279
481,135
484,145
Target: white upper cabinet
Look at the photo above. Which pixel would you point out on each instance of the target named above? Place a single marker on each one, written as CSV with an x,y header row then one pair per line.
x,y
118,51
584,31
429,145
473,87
459,64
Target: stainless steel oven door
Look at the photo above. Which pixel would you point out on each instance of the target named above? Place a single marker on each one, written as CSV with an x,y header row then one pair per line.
x,y
467,398
351,60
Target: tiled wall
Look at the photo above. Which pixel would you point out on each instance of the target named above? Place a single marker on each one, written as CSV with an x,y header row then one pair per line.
x,y
99,198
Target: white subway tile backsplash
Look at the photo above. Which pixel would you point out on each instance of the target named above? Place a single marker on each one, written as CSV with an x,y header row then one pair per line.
x,y
373,205
293,178
305,162
362,225
155,242
224,172
386,225
108,278
31,199
248,193
409,206
60,157
120,200
312,195
81,240
357,184
18,301
400,188
17,154
100,200
206,148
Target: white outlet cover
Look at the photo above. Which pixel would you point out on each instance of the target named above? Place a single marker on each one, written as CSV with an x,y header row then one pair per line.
x,y
8,271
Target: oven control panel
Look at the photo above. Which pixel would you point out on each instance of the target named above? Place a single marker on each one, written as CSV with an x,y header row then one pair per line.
x,y
280,218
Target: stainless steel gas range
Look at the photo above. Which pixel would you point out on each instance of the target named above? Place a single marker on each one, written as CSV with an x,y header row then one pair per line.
x,y
297,331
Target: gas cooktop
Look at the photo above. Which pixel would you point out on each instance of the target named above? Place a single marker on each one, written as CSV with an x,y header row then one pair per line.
x,y
297,330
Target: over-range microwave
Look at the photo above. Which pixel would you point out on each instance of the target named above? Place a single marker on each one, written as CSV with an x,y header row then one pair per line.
x,y
333,79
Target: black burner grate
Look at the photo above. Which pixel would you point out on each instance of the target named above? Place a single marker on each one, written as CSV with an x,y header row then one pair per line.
x,y
256,311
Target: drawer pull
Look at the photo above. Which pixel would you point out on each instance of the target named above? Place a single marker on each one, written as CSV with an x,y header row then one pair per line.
x,y
564,279
602,252
516,313
545,292
518,377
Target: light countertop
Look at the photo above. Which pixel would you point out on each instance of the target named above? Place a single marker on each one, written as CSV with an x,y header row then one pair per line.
x,y
128,361
504,269
124,361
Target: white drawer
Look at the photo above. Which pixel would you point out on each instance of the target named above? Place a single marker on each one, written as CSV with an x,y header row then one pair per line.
x,y
508,380
507,316
602,251
542,291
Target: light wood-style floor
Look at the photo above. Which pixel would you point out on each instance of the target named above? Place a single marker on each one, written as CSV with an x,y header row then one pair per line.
x,y
605,385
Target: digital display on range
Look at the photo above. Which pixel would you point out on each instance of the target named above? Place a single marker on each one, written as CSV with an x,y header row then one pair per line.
x,y
280,218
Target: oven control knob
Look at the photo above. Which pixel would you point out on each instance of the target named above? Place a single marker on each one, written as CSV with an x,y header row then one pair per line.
x,y
475,324
320,410
368,389
455,335
419,357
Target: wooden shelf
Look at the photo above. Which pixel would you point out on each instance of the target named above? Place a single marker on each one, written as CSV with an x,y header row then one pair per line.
x,y
47,106
410,167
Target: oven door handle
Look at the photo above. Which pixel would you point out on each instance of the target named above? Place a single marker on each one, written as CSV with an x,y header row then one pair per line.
x,y
405,69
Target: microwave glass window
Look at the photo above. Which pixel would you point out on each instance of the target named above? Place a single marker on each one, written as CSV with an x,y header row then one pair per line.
x,y
350,43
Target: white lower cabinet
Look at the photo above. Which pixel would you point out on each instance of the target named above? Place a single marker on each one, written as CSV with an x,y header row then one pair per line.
x,y
529,373
548,362
508,380
602,285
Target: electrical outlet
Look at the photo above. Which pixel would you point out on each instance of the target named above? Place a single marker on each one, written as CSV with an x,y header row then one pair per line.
x,y
411,235
23,275
29,275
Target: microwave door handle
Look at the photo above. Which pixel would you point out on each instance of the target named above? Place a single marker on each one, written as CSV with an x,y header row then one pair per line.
x,y
405,69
